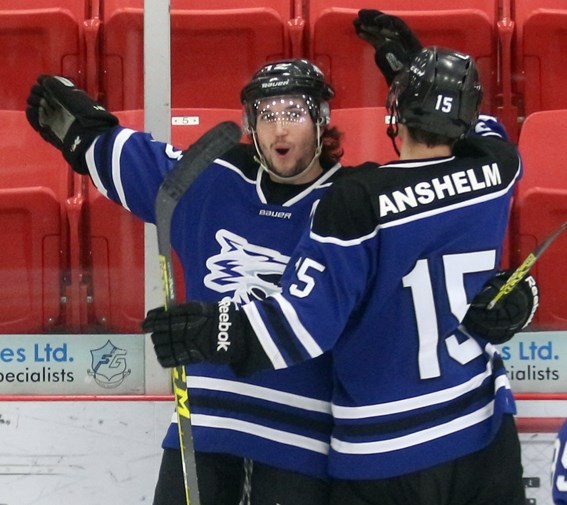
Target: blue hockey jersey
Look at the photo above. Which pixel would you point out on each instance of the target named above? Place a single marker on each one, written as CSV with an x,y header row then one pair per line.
x,y
383,278
559,468
232,243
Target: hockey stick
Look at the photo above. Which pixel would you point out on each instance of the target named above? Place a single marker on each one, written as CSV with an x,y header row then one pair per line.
x,y
524,268
197,157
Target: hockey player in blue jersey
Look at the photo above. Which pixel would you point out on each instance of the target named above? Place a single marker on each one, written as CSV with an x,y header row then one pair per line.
x,y
383,278
281,421
233,230
559,468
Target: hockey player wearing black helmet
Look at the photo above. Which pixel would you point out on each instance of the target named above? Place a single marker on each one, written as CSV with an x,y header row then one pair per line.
x,y
286,97
234,231
437,97
422,407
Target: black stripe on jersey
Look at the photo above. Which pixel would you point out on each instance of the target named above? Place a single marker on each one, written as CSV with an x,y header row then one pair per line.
x,y
468,402
280,329
275,414
498,364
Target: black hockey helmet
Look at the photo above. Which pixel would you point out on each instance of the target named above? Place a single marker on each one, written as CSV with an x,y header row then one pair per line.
x,y
288,77
440,92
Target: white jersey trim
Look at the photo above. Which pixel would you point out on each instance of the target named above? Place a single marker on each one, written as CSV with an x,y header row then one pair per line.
x,y
91,165
416,217
257,430
306,339
119,142
263,335
261,392
417,402
230,166
117,147
417,438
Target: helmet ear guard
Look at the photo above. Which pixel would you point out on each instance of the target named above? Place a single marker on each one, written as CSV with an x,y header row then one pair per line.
x,y
246,128
324,113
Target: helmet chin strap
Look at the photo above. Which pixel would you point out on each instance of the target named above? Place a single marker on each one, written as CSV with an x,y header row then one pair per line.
x,y
291,178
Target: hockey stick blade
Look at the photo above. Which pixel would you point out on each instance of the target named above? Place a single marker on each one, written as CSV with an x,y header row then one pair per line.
x,y
525,267
195,159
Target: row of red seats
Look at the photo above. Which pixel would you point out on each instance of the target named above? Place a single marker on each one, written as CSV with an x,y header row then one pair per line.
x,y
217,44
73,261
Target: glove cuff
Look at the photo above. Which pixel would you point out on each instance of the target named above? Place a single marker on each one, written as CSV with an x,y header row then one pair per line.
x,y
76,143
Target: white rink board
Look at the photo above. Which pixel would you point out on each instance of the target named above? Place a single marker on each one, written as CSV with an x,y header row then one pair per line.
x,y
80,452
93,452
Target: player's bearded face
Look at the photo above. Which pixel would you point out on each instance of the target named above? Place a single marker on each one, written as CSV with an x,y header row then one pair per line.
x,y
286,134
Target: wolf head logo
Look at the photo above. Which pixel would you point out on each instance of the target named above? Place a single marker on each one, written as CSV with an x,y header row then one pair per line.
x,y
248,271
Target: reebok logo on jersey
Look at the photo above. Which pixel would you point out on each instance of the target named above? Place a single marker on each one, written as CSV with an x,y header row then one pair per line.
x,y
223,337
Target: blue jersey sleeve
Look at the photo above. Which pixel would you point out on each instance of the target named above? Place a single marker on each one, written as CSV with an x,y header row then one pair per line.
x,y
129,166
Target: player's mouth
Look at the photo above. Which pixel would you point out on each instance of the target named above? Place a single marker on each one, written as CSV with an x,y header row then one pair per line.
x,y
282,151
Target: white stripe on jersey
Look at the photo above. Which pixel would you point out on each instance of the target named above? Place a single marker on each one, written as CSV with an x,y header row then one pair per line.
x,y
119,142
416,217
417,402
89,158
263,335
257,430
416,438
263,393
306,339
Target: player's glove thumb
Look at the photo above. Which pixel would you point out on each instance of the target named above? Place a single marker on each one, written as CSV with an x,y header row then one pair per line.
x,y
394,42
511,313
194,332
66,117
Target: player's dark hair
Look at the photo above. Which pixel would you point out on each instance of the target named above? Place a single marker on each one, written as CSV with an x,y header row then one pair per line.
x,y
428,138
332,150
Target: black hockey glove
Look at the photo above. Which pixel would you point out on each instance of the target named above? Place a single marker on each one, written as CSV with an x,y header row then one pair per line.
x,y
395,43
67,117
510,315
194,332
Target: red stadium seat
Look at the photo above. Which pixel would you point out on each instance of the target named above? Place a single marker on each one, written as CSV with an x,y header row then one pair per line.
x,y
349,62
214,50
38,37
35,185
364,135
540,68
540,207
30,262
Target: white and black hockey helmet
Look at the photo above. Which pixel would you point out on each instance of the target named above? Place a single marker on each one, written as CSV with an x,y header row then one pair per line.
x,y
297,77
440,92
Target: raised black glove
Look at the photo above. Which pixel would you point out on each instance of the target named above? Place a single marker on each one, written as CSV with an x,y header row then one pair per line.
x,y
194,332
510,315
66,117
395,43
